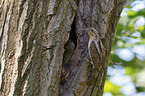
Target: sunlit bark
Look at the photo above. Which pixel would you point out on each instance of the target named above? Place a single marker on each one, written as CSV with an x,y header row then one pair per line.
x,y
35,37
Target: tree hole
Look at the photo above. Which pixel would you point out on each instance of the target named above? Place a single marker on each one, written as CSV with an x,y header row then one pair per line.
x,y
73,36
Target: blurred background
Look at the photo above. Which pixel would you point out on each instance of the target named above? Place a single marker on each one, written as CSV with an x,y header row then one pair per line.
x,y
126,71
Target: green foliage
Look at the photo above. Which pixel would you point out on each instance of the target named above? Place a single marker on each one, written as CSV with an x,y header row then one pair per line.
x,y
110,87
130,34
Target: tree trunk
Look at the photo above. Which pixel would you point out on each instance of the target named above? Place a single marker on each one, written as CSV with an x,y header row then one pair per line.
x,y
44,46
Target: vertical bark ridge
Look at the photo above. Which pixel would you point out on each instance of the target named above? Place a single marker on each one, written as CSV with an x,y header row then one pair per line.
x,y
103,16
32,38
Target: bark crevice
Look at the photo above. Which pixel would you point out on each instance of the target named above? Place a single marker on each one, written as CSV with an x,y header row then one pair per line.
x,y
73,35
70,48
50,46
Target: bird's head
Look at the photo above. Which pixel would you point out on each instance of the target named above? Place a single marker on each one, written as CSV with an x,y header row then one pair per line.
x,y
92,32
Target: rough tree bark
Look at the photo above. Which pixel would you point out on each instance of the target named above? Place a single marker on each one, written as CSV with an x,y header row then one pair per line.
x,y
43,46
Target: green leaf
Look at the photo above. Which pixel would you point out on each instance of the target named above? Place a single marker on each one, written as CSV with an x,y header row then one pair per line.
x,y
110,87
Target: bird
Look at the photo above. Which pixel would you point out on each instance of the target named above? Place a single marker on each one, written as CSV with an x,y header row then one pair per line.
x,y
93,37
